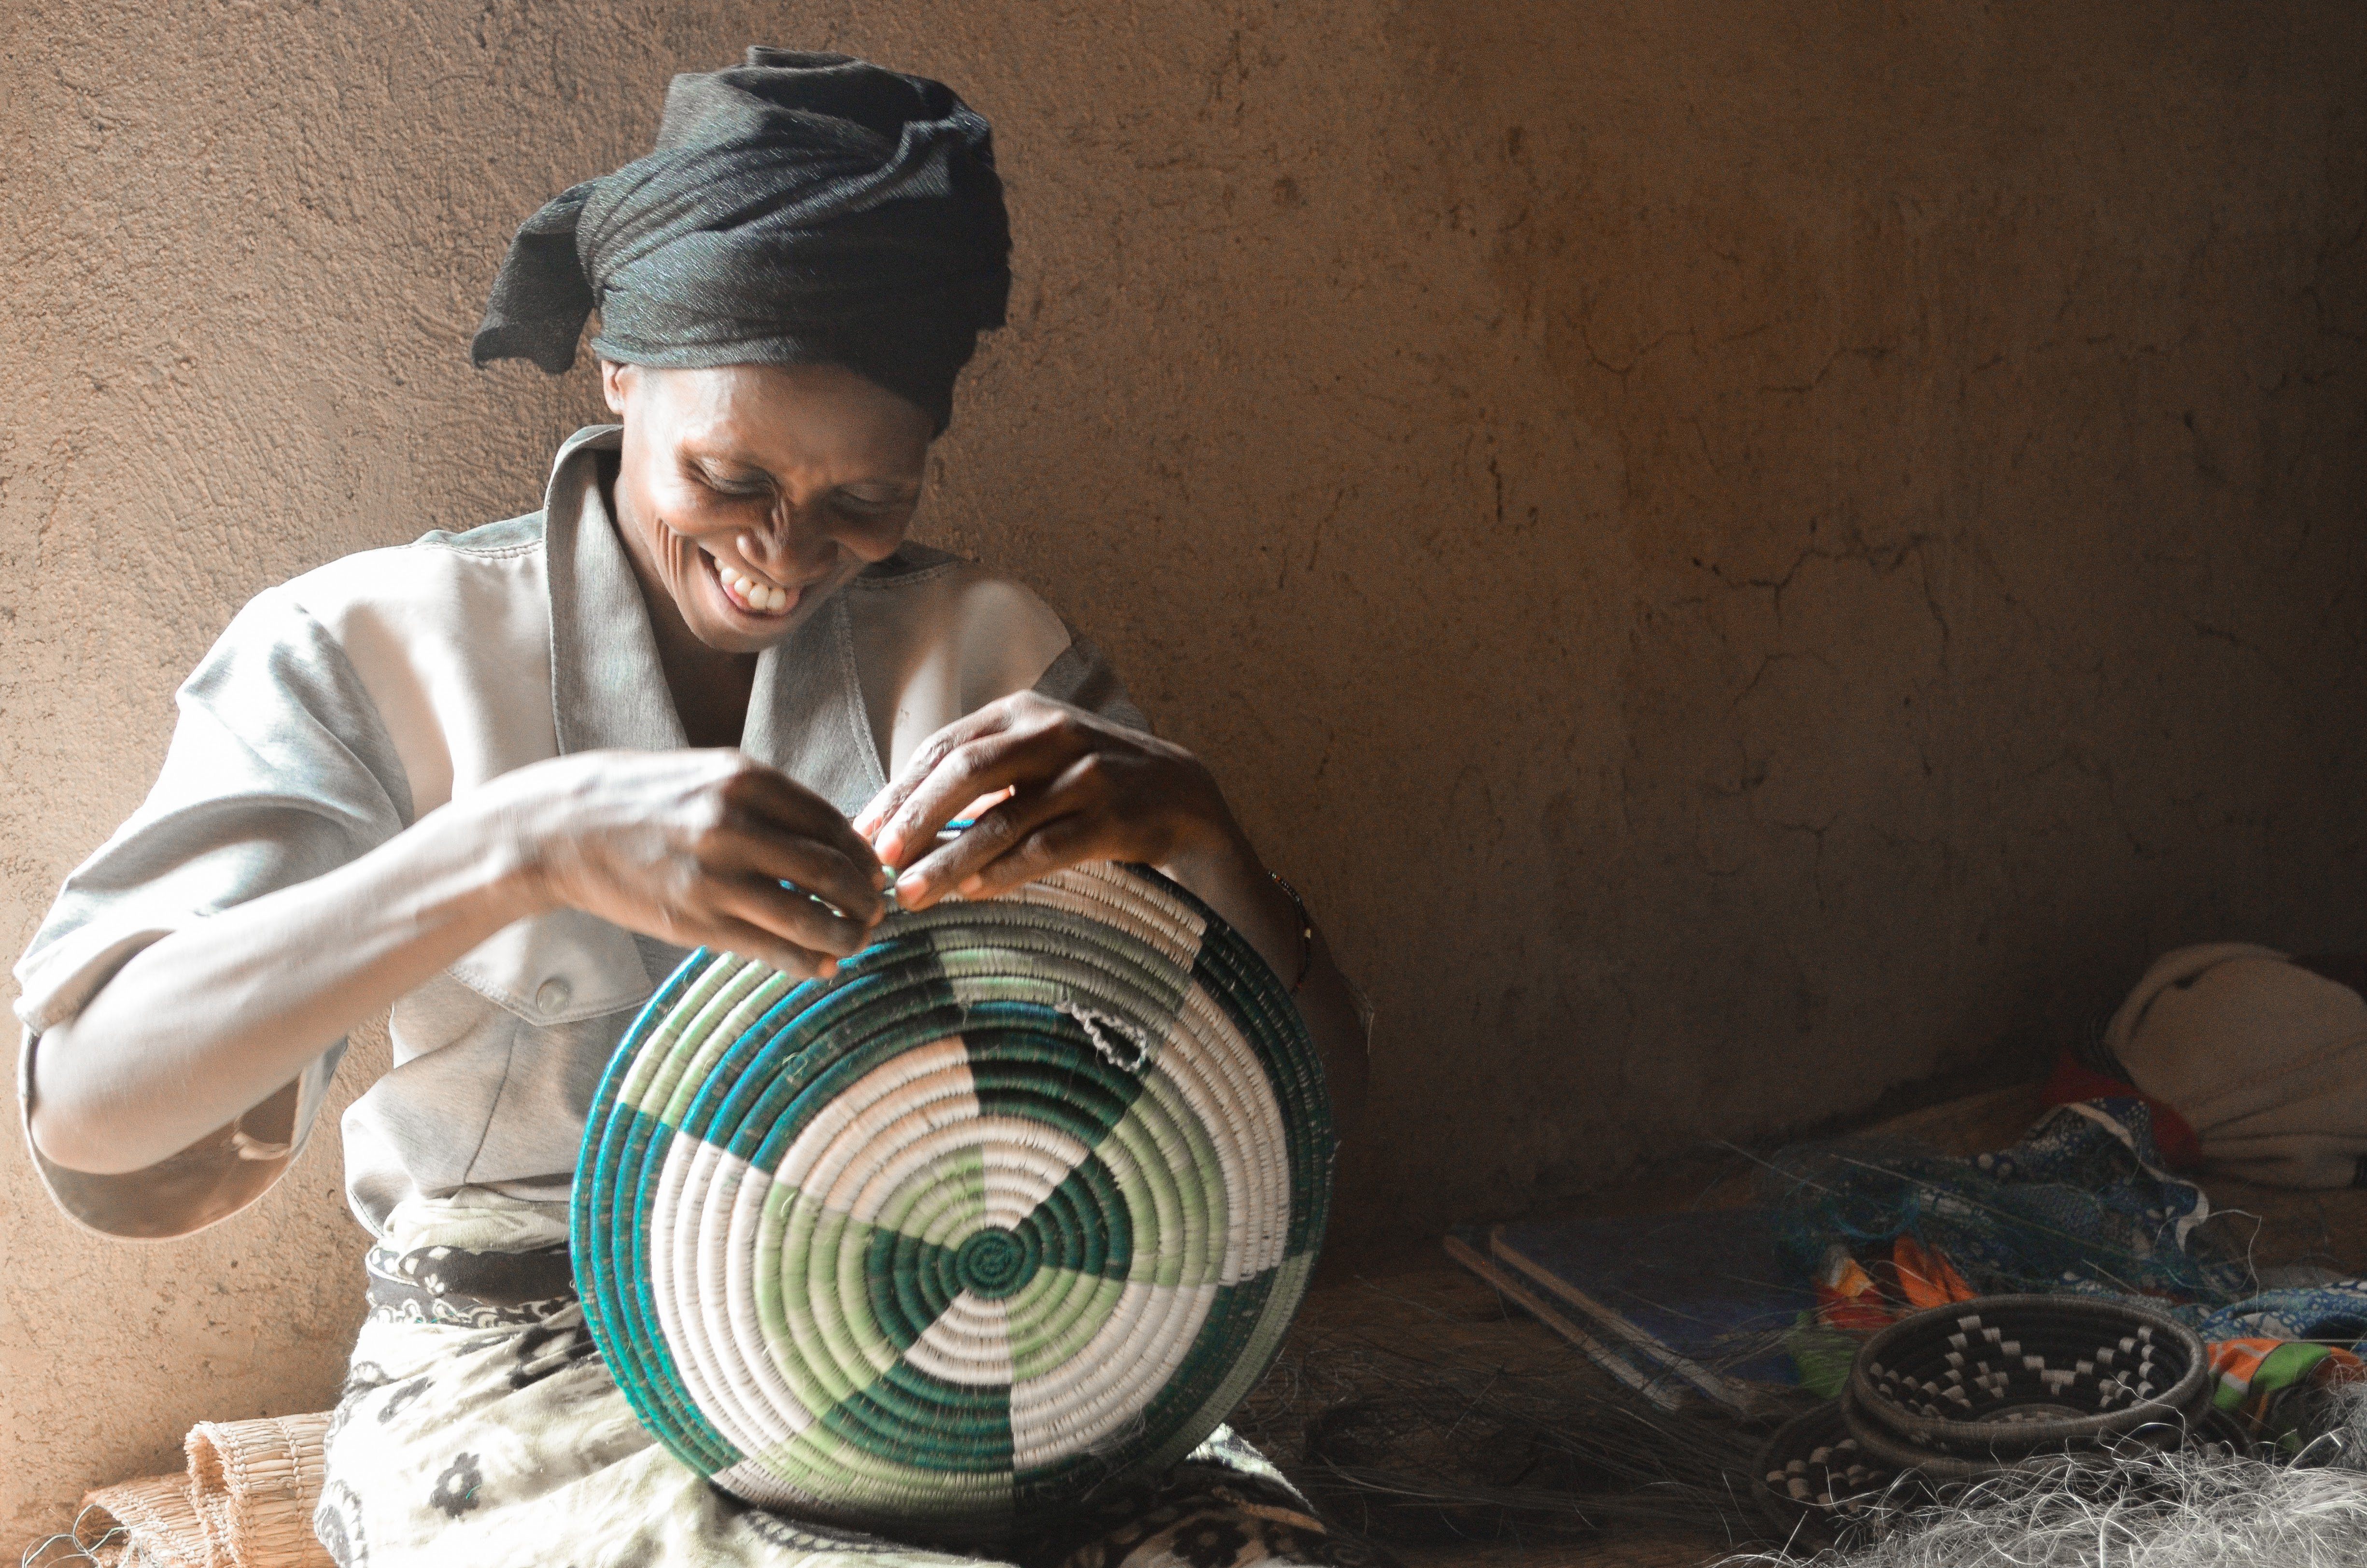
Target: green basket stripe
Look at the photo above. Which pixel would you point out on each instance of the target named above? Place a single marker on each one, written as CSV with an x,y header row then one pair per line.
x,y
687,995
855,1484
909,1283
1082,1225
740,993
1103,1389
815,1307
1154,1206
1186,1184
942,1201
909,1417
1056,1317
1031,1061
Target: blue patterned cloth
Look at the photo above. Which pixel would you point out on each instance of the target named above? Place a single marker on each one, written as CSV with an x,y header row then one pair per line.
x,y
2083,1205
2327,1314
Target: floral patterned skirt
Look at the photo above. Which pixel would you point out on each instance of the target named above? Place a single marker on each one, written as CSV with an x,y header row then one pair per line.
x,y
479,1425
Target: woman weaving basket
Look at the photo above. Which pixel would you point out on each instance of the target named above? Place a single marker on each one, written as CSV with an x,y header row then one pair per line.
x,y
501,782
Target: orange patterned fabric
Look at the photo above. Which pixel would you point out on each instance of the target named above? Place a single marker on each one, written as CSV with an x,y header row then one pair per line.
x,y
1925,1277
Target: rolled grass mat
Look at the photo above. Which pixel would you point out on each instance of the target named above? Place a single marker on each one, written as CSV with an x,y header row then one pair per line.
x,y
1998,1377
160,1519
1016,1204
245,1501
256,1483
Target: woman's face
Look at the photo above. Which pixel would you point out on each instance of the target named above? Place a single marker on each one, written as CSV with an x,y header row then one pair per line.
x,y
750,493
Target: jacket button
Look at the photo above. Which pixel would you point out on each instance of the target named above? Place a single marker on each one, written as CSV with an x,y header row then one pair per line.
x,y
553,996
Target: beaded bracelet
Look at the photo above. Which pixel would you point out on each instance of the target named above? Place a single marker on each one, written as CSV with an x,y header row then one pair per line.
x,y
1306,931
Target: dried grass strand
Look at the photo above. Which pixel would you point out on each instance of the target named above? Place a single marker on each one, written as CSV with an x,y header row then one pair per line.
x,y
2137,1508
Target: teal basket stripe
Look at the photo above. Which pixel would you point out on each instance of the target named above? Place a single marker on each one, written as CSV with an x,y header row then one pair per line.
x,y
927,1423
886,983
1059,1020
608,1242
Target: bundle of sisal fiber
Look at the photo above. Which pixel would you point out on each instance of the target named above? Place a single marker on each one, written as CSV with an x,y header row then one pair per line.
x,y
246,1502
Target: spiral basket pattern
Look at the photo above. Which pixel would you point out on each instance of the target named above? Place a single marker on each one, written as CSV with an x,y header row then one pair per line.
x,y
1017,1203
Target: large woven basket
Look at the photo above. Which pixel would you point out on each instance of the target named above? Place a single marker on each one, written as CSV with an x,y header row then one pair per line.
x,y
1018,1204
2000,1377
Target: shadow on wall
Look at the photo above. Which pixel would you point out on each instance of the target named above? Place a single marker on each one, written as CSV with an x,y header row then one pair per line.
x,y
1922,574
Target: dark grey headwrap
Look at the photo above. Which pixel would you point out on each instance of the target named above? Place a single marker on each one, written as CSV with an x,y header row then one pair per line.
x,y
799,209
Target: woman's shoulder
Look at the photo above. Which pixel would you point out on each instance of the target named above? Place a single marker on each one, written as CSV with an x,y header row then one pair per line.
x,y
915,563
931,594
440,574
512,536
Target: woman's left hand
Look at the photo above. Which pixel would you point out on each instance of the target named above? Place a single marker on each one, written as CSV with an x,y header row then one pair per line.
x,y
1080,787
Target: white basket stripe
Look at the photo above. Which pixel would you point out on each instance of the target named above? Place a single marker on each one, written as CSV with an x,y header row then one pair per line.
x,y
969,1344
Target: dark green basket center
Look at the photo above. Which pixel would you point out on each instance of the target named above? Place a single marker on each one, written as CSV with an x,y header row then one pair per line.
x,y
996,1263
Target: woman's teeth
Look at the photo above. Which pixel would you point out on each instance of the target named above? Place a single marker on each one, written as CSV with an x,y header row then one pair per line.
x,y
758,596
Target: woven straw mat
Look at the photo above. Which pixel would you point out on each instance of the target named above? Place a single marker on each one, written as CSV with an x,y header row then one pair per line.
x,y
245,1501
1018,1204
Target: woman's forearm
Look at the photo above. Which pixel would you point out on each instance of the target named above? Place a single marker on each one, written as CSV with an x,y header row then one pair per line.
x,y
210,1021
697,847
1234,882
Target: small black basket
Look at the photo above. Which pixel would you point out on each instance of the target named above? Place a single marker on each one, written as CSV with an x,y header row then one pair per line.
x,y
2213,1429
2000,1377
1815,1478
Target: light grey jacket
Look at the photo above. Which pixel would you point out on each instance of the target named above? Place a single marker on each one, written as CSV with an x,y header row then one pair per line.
x,y
341,707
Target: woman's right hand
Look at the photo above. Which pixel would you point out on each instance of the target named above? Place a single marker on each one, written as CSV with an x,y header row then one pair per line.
x,y
692,848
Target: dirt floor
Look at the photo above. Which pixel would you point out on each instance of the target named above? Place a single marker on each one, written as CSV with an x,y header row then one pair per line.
x,y
1352,1330
1368,1318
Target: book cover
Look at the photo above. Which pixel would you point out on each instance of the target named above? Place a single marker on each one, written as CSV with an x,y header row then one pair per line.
x,y
1698,1292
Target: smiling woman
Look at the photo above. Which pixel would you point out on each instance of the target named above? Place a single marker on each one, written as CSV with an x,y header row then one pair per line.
x,y
747,495
499,783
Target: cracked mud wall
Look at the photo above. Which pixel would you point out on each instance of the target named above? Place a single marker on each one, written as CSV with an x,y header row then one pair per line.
x,y
1743,554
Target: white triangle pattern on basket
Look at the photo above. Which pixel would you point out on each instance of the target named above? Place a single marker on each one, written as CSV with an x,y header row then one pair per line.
x,y
969,1344
1994,1380
1099,1392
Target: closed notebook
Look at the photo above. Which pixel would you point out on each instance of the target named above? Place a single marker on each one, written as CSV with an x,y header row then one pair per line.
x,y
1699,1292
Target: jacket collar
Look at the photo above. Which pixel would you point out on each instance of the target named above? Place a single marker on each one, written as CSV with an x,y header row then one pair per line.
x,y
806,716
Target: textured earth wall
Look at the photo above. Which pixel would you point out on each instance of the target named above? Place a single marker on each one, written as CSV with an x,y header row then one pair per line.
x,y
1743,554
